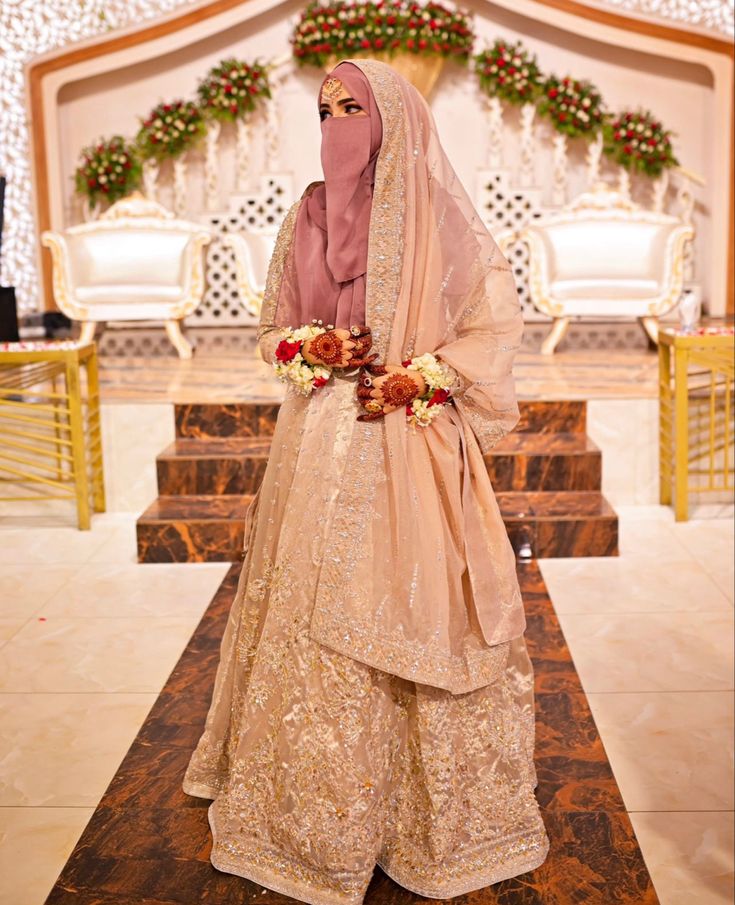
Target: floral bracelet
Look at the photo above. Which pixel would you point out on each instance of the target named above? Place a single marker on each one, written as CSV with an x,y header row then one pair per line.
x,y
291,366
438,378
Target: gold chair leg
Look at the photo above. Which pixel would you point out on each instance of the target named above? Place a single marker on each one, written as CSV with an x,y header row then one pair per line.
x,y
556,334
180,343
95,435
78,444
681,433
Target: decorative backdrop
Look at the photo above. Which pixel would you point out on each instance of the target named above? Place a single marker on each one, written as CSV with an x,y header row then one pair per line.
x,y
32,27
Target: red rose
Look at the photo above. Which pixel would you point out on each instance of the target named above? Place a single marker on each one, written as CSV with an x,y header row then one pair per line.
x,y
286,351
410,43
406,363
365,43
438,397
319,381
409,409
553,93
422,44
378,42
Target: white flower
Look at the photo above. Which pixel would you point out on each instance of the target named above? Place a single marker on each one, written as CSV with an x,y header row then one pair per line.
x,y
102,180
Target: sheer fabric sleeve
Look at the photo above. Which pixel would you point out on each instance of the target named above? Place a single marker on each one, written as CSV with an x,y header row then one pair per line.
x,y
280,287
486,340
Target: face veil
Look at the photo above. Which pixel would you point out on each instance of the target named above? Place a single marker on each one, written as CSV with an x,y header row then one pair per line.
x,y
432,593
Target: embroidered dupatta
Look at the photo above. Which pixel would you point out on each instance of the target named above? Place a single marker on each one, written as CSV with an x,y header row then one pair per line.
x,y
418,574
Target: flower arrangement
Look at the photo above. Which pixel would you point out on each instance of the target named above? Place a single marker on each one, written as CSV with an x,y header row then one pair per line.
x,y
510,72
349,27
291,366
439,377
170,129
574,107
232,88
637,141
110,170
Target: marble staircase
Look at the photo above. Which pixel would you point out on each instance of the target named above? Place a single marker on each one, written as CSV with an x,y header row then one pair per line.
x,y
546,475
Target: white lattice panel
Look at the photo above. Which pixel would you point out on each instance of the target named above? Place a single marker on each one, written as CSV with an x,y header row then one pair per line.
x,y
262,209
503,206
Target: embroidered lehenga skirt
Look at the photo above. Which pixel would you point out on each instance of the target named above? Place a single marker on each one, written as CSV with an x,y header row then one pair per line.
x,y
321,767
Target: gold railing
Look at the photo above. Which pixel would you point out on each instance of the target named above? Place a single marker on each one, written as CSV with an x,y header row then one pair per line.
x,y
696,430
50,432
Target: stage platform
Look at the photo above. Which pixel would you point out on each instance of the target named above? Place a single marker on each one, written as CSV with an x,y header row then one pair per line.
x,y
225,369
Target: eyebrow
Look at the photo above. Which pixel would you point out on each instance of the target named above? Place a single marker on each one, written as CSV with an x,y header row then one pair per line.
x,y
343,102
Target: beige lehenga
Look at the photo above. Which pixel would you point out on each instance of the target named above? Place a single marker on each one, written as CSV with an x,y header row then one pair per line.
x,y
373,701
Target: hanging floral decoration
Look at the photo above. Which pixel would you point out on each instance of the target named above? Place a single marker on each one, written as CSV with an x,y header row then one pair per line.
x,y
575,107
108,170
171,129
509,72
637,141
232,89
390,26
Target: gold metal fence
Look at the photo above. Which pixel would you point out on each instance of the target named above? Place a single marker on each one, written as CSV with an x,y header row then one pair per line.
x,y
50,431
696,429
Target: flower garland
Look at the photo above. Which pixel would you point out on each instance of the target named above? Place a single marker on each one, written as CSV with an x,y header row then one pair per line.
x,y
510,72
170,129
291,366
422,410
109,170
574,107
345,27
232,89
637,141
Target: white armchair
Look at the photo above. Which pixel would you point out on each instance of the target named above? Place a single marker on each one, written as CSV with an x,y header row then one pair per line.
x,y
137,262
252,252
603,255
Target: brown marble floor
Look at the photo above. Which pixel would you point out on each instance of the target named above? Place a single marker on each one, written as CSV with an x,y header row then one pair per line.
x,y
148,843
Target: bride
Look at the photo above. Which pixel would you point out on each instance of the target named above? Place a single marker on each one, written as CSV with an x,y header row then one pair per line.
x,y
373,702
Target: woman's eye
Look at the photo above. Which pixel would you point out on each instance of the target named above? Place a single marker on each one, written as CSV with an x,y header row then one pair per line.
x,y
353,108
323,114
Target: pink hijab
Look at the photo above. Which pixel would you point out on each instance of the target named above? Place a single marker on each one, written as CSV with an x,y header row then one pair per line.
x,y
331,232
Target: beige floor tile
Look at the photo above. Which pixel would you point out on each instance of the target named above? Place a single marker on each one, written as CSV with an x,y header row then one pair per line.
x,y
63,749
42,543
24,590
112,590
9,627
670,751
631,584
35,843
712,544
65,654
652,651
689,855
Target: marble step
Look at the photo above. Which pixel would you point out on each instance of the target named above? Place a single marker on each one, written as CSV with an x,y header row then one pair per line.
x,y
256,418
209,528
520,461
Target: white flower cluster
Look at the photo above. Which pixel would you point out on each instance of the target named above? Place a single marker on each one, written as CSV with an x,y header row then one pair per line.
x,y
436,373
303,376
438,376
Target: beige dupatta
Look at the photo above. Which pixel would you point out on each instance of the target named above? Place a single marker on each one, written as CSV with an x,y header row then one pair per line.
x,y
418,575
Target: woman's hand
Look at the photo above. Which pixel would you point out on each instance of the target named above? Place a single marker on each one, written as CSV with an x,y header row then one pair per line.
x,y
340,348
386,388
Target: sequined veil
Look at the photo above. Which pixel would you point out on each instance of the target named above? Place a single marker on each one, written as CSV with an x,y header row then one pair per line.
x,y
373,701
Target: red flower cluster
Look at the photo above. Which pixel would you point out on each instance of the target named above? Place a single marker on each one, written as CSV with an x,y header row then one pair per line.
x,y
346,26
233,88
286,351
110,169
509,71
636,141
